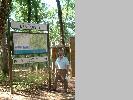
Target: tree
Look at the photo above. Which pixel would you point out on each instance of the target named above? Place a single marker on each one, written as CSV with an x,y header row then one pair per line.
x,y
61,23
36,12
5,9
27,10
48,15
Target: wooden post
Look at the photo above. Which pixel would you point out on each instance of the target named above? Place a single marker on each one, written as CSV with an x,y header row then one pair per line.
x,y
49,68
72,47
54,50
10,59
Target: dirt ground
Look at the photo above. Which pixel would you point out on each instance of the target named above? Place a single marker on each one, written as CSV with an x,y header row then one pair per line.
x,y
42,94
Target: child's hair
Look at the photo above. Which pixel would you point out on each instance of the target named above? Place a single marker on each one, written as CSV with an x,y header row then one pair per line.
x,y
61,49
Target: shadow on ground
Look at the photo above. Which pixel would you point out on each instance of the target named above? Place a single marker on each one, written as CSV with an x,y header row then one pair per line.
x,y
40,93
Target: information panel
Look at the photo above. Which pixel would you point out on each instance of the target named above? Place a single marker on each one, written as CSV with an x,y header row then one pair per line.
x,y
25,43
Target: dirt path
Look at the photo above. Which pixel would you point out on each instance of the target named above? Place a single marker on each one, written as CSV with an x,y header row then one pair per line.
x,y
43,94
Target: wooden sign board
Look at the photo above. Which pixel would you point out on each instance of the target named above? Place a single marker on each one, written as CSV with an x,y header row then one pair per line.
x,y
24,25
29,60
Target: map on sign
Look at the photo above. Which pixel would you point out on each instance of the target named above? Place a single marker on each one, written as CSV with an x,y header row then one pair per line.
x,y
25,43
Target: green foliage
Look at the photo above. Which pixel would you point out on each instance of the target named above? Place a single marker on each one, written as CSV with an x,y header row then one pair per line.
x,y
41,13
24,80
2,77
23,10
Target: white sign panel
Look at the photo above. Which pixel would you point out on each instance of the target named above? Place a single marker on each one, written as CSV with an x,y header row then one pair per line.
x,y
20,25
21,41
25,43
29,60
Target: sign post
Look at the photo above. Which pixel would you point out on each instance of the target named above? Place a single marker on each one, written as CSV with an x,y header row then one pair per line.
x,y
30,43
49,59
9,55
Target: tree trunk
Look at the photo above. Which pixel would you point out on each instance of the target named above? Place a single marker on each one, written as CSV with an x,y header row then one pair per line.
x,y
29,10
5,59
2,17
61,23
4,14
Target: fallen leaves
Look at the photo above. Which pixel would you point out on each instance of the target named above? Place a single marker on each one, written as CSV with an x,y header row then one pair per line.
x,y
41,93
